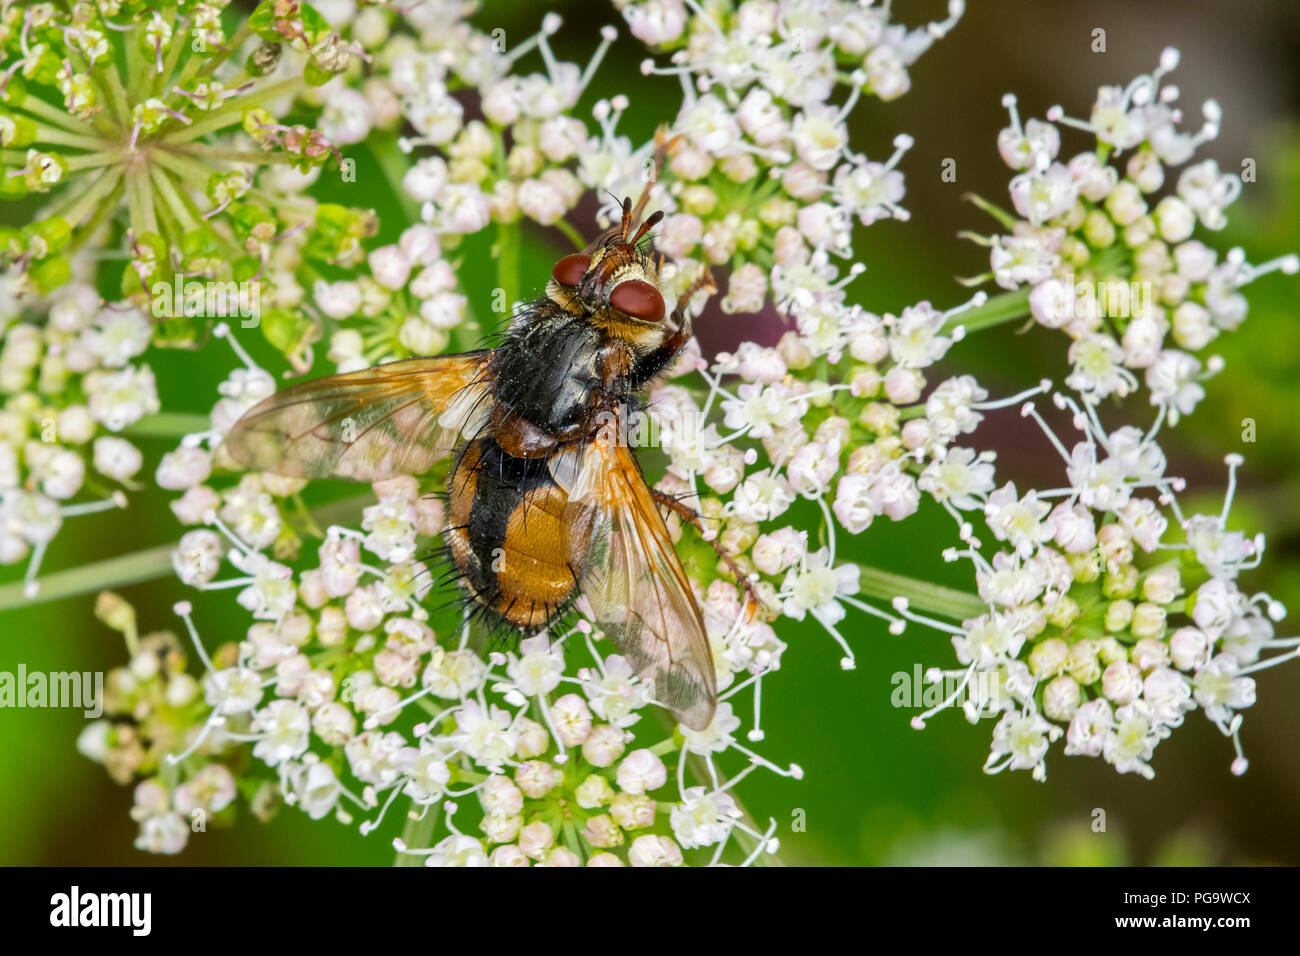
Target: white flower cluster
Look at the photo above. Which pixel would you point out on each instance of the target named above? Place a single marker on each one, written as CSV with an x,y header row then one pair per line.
x,y
472,180
528,157
762,176
1111,613
1125,274
832,414
70,384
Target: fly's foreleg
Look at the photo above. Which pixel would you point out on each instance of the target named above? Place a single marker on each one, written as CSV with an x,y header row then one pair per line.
x,y
696,520
681,333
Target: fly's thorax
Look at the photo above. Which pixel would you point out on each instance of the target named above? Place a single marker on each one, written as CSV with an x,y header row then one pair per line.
x,y
545,371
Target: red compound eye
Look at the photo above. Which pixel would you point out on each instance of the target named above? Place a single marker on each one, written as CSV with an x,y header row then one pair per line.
x,y
570,270
638,299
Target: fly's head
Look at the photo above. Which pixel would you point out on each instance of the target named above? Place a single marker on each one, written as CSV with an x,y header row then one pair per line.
x,y
615,284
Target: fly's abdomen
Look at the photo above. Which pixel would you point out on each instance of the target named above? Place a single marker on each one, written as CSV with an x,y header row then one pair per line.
x,y
508,537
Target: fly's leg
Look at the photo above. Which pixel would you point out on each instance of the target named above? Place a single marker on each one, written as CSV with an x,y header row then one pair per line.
x,y
681,318
654,363
694,518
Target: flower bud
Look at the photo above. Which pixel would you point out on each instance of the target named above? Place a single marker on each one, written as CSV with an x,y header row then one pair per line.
x,y
593,792
1148,621
1120,583
641,770
1063,612
1061,698
1118,615
1188,647
1162,585
1047,657
1149,653
537,778
601,831
604,746
536,839
508,855
1099,230
633,811
1121,682
1081,664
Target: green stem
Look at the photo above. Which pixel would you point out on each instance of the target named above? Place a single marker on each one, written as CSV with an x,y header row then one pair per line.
x,y
103,212
168,425
104,185
1000,309
1004,218
232,44
309,522
134,68
38,107
394,162
238,155
167,190
184,167
94,160
143,210
507,253
569,230
59,137
134,206
572,841
282,201
147,565
418,834
180,43
921,595
232,114
100,576
121,103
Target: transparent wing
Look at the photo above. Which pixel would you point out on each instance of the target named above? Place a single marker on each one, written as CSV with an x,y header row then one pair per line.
x,y
378,423
634,582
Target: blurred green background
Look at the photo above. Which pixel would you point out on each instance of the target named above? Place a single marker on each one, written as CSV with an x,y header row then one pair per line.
x,y
874,791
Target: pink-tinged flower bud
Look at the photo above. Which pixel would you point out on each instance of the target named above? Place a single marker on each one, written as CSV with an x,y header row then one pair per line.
x,y
536,840
633,811
650,850
572,720
1121,682
603,746
1061,698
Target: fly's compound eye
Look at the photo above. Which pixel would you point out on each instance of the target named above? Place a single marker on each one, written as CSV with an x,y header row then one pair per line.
x,y
570,270
638,299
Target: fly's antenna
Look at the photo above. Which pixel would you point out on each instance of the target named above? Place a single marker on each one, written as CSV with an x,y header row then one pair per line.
x,y
627,216
651,221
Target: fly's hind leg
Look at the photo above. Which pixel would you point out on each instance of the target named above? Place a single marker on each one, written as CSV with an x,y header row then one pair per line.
x,y
696,520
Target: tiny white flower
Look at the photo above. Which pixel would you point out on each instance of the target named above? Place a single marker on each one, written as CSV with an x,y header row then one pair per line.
x,y
815,587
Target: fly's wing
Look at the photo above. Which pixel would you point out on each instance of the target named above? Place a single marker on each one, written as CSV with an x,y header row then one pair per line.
x,y
634,582
378,423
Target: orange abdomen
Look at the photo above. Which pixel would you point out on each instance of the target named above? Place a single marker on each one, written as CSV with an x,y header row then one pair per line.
x,y
508,536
